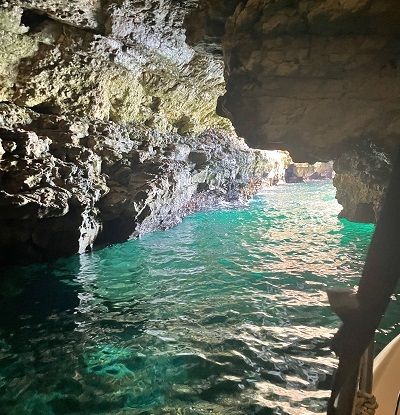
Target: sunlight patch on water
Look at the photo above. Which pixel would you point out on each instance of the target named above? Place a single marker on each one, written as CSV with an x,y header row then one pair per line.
x,y
225,314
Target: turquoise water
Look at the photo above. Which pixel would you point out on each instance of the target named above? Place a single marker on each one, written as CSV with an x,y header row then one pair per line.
x,y
224,314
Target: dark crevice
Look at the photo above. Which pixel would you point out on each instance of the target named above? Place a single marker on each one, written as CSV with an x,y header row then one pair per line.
x,y
205,25
33,19
115,231
45,108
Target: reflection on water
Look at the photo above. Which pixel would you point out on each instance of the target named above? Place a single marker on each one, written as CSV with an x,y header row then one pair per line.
x,y
224,314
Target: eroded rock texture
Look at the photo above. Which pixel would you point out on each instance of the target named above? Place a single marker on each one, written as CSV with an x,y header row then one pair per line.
x,y
108,125
131,64
313,76
108,122
362,176
69,183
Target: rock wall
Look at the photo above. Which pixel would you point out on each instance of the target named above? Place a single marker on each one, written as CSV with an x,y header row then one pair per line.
x,y
108,126
313,76
71,183
362,176
118,60
108,121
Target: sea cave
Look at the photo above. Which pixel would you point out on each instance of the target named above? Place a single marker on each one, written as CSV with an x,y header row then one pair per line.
x,y
181,184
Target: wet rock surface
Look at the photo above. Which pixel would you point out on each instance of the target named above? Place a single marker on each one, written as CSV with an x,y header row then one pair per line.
x,y
69,184
362,176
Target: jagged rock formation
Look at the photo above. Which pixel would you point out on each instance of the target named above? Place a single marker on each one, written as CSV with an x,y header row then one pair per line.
x,y
362,176
108,126
69,183
299,172
131,64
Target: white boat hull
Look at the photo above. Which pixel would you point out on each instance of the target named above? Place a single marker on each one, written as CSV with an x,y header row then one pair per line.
x,y
386,387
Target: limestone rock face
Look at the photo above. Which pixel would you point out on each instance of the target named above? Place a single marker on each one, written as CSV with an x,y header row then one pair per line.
x,y
71,183
317,78
313,77
108,123
14,46
87,14
116,60
362,175
102,125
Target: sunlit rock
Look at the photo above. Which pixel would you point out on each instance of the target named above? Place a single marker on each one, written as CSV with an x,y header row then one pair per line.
x,y
108,117
69,184
132,65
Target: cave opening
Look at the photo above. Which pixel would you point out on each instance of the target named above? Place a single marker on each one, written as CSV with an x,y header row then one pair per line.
x,y
186,267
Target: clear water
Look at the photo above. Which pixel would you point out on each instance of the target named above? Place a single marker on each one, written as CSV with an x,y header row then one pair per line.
x,y
224,314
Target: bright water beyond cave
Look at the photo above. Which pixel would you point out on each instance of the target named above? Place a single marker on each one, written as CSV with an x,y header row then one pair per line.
x,y
224,314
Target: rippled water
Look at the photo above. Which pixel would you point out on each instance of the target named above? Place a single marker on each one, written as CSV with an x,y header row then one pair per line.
x,y
224,314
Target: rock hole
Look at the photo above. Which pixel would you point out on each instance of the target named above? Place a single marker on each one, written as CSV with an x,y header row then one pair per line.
x,y
33,20
45,108
217,28
155,104
203,187
144,214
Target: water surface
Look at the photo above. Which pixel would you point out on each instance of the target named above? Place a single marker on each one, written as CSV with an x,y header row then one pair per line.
x,y
224,314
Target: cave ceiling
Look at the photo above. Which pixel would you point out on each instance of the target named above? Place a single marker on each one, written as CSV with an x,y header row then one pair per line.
x,y
313,77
